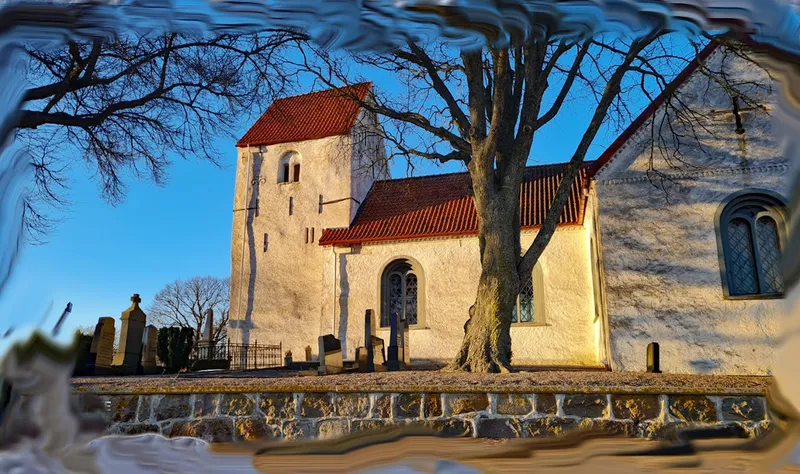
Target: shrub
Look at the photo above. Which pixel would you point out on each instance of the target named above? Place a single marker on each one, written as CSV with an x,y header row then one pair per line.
x,y
175,347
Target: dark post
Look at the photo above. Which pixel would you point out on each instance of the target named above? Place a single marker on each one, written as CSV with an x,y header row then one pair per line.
x,y
368,341
401,341
392,360
653,359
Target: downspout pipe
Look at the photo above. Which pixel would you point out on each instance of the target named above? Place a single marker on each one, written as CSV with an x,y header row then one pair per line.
x,y
244,234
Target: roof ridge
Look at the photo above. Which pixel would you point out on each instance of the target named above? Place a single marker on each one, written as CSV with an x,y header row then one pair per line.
x,y
320,91
544,165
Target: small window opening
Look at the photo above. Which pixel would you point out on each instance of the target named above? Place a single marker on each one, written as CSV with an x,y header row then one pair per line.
x,y
297,172
291,205
312,234
286,173
320,203
266,242
306,234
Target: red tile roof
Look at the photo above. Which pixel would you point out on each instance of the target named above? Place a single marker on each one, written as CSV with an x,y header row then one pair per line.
x,y
307,117
441,205
648,112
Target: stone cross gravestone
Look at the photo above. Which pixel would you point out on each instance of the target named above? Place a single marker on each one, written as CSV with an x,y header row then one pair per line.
x,y
330,355
150,347
131,334
103,342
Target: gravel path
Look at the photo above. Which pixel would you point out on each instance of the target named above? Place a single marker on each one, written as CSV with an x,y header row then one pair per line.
x,y
428,381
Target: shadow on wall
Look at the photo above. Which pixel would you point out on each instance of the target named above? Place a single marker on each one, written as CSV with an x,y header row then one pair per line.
x,y
251,247
344,292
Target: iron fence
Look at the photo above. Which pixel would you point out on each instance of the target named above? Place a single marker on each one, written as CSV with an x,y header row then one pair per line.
x,y
242,356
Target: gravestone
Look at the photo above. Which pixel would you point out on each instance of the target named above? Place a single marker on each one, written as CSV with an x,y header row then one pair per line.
x,y
330,355
378,351
131,334
149,357
653,358
394,356
102,348
308,353
369,332
208,330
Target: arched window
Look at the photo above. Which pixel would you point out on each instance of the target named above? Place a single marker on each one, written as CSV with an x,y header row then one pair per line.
x,y
751,228
401,283
529,307
289,168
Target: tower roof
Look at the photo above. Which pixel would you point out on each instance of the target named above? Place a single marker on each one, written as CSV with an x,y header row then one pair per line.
x,y
309,116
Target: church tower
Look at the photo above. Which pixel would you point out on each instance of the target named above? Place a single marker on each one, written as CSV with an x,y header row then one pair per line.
x,y
305,165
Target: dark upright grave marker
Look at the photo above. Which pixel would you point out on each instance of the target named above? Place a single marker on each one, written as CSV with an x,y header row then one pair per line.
x,y
330,355
653,359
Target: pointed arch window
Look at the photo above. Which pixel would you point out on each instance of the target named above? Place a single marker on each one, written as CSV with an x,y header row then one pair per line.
x,y
400,293
751,229
529,308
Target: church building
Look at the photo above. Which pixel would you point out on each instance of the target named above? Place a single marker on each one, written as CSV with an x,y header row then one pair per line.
x,y
679,249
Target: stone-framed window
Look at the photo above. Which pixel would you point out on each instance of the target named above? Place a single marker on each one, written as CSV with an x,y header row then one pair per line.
x,y
289,168
751,231
530,301
401,293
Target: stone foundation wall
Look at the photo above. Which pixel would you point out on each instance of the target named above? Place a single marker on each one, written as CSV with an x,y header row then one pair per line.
x,y
248,416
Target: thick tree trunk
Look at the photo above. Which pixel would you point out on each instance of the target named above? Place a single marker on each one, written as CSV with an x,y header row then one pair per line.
x,y
487,339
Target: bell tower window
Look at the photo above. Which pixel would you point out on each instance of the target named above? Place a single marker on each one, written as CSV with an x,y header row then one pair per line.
x,y
289,168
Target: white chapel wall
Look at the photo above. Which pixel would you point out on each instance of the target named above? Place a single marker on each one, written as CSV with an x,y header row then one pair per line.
x,y
451,270
662,273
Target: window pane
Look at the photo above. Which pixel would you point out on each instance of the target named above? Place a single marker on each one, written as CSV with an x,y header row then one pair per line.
x,y
514,314
395,297
411,299
769,255
526,302
741,259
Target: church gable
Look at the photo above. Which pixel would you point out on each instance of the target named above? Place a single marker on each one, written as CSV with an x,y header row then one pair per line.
x,y
441,205
702,127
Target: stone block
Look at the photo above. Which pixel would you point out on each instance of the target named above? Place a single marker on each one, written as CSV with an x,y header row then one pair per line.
x,y
330,429
355,405
585,405
693,409
549,426
145,409
742,409
330,355
123,408
90,403
409,405
636,407
173,406
383,406
316,405
367,425
450,427
458,404
298,429
236,405
132,429
499,428
277,407
212,430
206,404
513,404
254,428
609,427
546,404
432,405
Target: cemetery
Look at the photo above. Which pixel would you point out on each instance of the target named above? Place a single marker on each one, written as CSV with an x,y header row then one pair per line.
x,y
156,383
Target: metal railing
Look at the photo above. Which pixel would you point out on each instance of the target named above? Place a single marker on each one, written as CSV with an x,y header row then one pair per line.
x,y
242,356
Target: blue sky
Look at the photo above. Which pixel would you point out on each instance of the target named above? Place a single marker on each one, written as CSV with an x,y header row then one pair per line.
x,y
100,254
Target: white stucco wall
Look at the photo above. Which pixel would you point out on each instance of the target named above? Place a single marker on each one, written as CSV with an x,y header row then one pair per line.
x,y
451,270
660,256
281,297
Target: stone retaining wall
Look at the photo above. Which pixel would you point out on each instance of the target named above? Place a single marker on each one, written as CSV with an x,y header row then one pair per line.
x,y
247,416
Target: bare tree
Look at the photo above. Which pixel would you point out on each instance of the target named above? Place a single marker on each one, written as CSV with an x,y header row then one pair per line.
x,y
124,103
483,106
185,303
